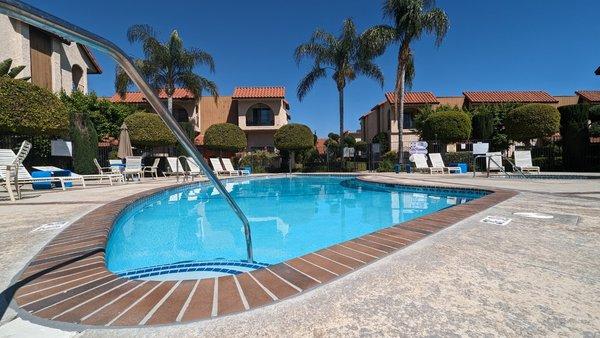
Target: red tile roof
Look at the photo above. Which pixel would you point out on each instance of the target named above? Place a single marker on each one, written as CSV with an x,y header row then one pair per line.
x,y
199,140
413,98
510,96
138,97
589,95
258,92
321,147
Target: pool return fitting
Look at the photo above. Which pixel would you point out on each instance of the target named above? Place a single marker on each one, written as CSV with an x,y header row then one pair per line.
x,y
45,21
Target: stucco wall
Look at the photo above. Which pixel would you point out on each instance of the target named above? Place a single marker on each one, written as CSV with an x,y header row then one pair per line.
x,y
260,139
279,112
15,45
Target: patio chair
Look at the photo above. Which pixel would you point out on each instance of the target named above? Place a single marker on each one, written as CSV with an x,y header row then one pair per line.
x,y
116,165
421,164
438,162
194,168
218,168
229,167
152,169
85,177
524,163
133,167
175,166
494,161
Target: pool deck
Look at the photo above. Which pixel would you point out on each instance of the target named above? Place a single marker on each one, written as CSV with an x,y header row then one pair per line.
x,y
529,277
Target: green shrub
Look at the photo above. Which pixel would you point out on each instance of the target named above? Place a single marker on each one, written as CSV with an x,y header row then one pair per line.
x,y
391,156
594,113
261,161
361,146
575,135
108,117
483,125
148,130
595,129
31,110
532,121
294,137
225,137
85,143
385,166
497,113
447,126
383,140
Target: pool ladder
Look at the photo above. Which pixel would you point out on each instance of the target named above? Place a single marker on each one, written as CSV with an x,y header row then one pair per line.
x,y
45,21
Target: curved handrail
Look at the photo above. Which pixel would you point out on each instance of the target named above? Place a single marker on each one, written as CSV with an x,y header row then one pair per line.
x,y
45,21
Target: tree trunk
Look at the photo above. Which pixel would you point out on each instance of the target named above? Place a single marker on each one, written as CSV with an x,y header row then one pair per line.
x,y
341,102
401,113
170,104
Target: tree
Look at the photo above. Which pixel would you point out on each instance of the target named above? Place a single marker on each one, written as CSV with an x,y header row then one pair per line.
x,y
410,19
225,137
293,137
7,71
447,126
168,65
148,130
344,56
532,121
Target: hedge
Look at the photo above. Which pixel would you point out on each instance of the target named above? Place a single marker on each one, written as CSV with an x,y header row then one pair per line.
x,y
225,137
85,143
447,126
148,130
483,125
594,113
383,140
261,161
31,110
532,121
294,137
575,135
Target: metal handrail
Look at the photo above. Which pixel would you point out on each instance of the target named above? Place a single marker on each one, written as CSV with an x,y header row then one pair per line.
x,y
45,21
489,158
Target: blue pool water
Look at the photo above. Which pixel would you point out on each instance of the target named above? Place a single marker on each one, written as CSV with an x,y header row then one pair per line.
x,y
289,217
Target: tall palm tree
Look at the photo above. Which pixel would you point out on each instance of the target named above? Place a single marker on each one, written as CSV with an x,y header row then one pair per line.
x,y
167,65
345,56
410,19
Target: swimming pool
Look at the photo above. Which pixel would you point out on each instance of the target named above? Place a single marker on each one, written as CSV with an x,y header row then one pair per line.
x,y
181,232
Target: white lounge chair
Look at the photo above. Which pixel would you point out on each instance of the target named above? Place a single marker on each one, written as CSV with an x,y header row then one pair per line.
x,y
133,167
438,162
228,166
175,166
524,163
421,164
494,161
108,172
153,169
194,168
218,168
93,177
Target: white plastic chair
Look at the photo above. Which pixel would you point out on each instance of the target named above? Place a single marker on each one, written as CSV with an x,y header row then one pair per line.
x,y
229,167
438,162
421,164
133,167
524,162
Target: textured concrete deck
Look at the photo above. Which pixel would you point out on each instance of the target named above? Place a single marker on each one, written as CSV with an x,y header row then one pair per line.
x,y
530,277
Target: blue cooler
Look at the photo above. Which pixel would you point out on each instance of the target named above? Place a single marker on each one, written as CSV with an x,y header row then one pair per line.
x,y
41,185
464,168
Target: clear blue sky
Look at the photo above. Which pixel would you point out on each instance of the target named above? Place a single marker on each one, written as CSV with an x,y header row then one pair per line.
x,y
551,45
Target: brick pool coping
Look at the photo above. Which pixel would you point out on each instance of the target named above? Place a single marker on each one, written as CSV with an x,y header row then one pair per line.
x,y
67,281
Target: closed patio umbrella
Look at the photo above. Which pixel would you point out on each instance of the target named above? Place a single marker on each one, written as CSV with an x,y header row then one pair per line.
x,y
124,143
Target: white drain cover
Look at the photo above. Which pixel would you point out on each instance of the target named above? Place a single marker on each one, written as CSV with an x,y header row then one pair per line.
x,y
496,220
49,226
534,215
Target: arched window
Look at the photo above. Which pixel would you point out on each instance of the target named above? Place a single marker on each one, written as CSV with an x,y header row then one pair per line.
x,y
260,115
180,114
77,74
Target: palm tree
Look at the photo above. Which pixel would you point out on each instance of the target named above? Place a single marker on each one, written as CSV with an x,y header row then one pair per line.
x,y
344,56
168,65
410,19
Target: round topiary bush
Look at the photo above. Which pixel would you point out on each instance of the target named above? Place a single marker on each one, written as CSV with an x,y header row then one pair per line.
x,y
294,137
447,126
31,110
594,113
532,121
225,137
148,130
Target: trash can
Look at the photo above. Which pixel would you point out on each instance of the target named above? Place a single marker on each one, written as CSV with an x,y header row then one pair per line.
x,y
397,168
408,168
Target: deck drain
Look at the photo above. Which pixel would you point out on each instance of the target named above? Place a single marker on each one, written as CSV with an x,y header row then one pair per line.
x,y
537,215
49,226
496,220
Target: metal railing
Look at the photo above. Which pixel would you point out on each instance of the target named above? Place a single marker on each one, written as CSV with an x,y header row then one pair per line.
x,y
490,158
45,21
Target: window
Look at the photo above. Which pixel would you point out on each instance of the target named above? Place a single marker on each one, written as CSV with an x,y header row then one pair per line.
x,y
409,121
260,115
180,115
77,74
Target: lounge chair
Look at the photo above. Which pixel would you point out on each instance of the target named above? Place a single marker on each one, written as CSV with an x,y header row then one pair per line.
x,y
229,167
175,166
133,167
438,162
524,163
152,169
194,168
421,164
86,177
116,166
494,161
217,168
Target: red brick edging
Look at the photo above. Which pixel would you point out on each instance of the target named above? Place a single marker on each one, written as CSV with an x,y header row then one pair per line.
x,y
67,280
